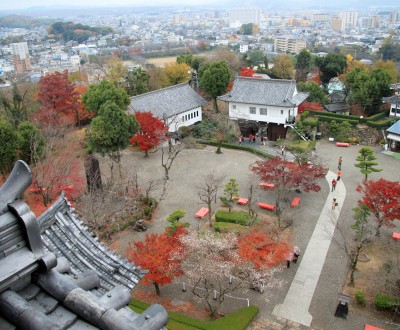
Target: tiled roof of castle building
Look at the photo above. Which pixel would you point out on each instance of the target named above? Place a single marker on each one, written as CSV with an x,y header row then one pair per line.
x,y
272,92
167,102
55,275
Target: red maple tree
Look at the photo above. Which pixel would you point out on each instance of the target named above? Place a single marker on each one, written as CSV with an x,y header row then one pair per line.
x,y
261,250
161,255
382,197
304,106
59,100
152,132
247,72
287,176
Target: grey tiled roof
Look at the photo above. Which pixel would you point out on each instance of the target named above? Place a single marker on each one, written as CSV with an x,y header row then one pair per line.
x,y
55,275
64,234
395,128
273,92
169,101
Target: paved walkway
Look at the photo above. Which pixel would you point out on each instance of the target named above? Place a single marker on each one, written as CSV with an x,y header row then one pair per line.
x,y
298,299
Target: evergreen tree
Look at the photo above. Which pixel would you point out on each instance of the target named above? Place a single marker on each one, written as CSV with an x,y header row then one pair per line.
x,y
366,161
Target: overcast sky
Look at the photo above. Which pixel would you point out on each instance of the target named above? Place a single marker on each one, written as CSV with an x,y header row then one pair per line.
x,y
22,4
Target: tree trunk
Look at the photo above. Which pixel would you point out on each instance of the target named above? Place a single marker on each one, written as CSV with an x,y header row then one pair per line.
x,y
93,173
146,153
157,288
219,147
378,229
215,104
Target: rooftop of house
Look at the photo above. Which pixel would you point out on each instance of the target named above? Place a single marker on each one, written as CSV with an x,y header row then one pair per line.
x,y
167,102
54,274
395,128
272,92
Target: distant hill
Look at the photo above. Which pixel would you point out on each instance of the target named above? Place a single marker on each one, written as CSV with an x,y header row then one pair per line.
x,y
19,21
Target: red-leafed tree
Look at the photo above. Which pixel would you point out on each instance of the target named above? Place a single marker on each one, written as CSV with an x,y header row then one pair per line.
x,y
59,100
82,115
382,198
152,132
247,72
288,176
261,250
161,255
304,106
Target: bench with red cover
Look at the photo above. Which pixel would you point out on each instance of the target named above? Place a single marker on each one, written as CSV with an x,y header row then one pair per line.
x,y
266,185
295,202
396,236
266,206
342,144
242,201
202,212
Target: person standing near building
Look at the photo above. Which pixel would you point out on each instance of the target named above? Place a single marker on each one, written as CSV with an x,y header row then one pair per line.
x,y
240,139
340,163
262,140
296,253
334,184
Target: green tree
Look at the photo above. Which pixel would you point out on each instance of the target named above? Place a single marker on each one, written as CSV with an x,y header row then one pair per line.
x,y
110,131
303,64
175,224
214,78
317,94
136,82
185,58
98,95
231,191
9,142
31,139
247,29
390,50
368,87
283,67
366,162
255,58
331,66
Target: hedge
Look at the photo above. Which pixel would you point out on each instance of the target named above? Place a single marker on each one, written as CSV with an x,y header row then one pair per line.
x,y
238,320
237,147
329,119
365,120
225,227
238,217
380,124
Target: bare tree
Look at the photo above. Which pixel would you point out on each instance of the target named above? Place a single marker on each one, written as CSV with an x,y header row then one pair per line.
x,y
208,191
224,127
170,153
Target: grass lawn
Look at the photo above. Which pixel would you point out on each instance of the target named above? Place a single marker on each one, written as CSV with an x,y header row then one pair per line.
x,y
238,320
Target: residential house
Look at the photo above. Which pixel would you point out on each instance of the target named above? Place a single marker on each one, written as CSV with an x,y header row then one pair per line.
x,y
394,102
394,136
177,105
264,106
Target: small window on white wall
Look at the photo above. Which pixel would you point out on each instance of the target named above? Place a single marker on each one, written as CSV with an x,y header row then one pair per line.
x,y
263,111
253,110
234,106
183,118
281,112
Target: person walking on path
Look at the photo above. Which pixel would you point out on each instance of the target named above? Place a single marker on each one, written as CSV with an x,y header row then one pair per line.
x,y
334,182
250,138
283,150
240,140
339,173
289,258
334,204
296,254
262,140
340,163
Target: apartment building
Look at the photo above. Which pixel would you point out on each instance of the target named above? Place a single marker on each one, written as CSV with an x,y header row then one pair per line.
x,y
289,44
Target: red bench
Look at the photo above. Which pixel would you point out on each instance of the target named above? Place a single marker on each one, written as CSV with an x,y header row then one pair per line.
x,y
371,327
266,185
396,236
242,201
342,144
202,212
295,202
268,207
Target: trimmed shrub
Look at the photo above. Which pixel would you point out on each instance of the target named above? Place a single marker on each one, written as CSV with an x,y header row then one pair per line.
x,y
238,217
383,302
380,124
237,147
226,227
329,119
310,121
360,298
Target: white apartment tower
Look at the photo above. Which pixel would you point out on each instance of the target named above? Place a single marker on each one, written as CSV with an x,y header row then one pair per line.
x,y
22,62
349,19
240,16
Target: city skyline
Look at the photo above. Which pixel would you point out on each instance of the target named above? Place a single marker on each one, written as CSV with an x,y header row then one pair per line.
x,y
26,4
